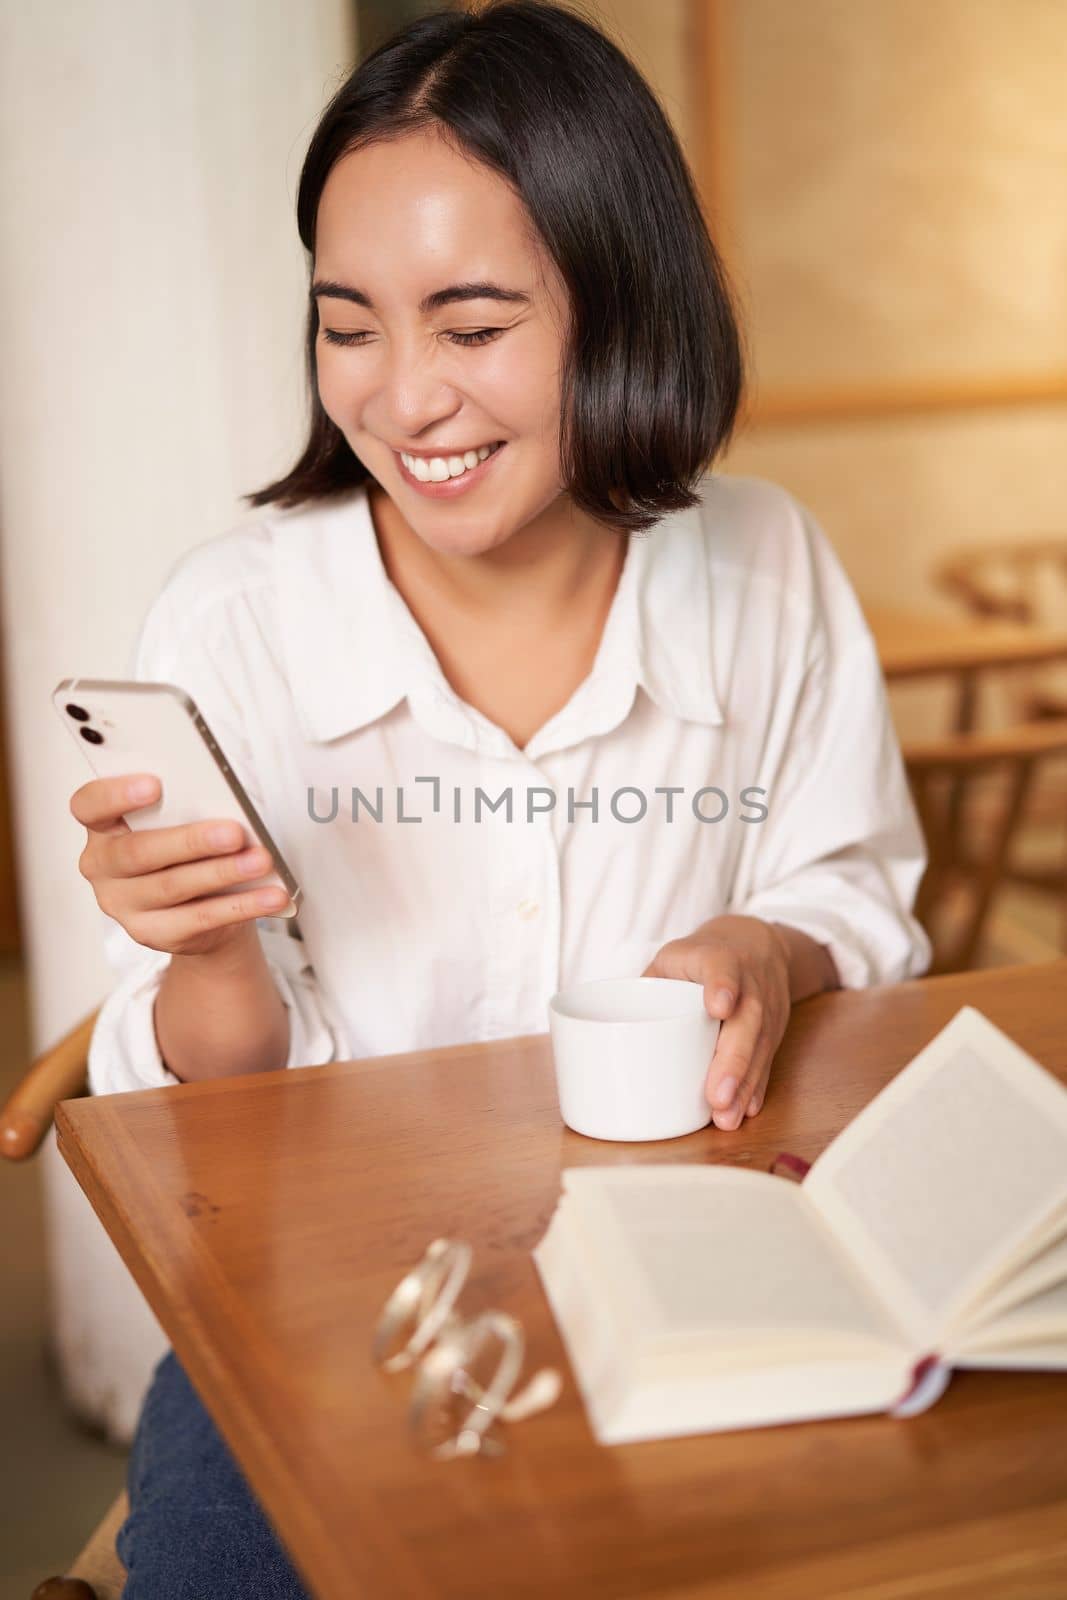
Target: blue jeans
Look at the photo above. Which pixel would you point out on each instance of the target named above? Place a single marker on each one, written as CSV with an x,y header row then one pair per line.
x,y
195,1530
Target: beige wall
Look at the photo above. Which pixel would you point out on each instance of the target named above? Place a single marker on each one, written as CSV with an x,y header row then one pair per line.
x,y
887,180
896,180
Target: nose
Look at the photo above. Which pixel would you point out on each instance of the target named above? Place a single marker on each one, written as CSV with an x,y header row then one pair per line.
x,y
413,392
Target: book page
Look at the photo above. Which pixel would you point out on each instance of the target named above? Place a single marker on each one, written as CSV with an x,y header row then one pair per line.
x,y
1042,1270
724,1258
659,1391
938,1185
1034,1333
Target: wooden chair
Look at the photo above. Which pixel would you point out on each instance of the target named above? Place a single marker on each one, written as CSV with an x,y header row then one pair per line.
x,y
1016,581
60,1074
943,774
1019,581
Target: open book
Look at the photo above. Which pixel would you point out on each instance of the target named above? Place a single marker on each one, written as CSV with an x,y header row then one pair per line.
x,y
931,1234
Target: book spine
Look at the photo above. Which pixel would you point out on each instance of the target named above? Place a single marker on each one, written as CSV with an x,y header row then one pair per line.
x,y
789,1166
929,1380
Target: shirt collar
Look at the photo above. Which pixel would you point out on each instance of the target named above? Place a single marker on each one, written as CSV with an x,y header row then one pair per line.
x,y
353,650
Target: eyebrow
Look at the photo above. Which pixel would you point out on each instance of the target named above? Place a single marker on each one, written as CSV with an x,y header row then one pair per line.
x,y
329,290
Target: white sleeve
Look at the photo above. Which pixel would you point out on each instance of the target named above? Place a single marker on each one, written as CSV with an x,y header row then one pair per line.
x,y
841,852
124,1052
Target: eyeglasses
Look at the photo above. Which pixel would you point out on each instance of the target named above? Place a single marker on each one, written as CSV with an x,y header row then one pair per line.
x,y
424,1301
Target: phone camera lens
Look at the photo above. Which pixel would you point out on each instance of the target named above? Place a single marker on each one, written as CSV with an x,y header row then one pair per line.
x,y
79,713
92,735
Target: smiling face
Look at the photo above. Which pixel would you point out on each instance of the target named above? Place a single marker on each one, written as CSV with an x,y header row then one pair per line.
x,y
409,367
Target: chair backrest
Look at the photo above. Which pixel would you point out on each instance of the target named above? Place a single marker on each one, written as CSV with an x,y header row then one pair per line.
x,y
1016,581
964,855
59,1073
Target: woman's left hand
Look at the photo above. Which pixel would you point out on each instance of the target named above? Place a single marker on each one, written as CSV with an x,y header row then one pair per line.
x,y
743,964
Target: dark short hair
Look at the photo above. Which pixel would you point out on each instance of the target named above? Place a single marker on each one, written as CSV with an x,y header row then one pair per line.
x,y
652,374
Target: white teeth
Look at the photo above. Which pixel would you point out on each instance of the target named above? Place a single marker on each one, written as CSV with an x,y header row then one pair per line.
x,y
435,469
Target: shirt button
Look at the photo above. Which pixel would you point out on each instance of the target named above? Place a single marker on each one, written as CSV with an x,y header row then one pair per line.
x,y
528,908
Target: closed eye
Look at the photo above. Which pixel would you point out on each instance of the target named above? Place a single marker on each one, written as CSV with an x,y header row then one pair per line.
x,y
479,336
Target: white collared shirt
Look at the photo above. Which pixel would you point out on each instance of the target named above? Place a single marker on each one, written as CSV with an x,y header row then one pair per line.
x,y
736,669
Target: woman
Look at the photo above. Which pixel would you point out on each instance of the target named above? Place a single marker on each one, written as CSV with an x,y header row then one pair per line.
x,y
524,693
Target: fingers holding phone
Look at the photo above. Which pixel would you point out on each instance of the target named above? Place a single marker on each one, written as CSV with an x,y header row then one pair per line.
x,y
186,863
181,889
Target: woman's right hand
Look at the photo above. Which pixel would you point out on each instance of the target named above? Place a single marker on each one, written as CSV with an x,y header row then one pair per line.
x,y
156,882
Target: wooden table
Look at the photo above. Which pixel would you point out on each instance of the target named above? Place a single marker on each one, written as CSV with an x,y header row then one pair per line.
x,y
266,1219
913,645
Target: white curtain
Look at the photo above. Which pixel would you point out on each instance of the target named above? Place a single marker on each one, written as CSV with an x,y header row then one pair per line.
x,y
152,289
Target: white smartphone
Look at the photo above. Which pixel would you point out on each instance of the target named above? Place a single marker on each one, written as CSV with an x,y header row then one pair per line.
x,y
123,726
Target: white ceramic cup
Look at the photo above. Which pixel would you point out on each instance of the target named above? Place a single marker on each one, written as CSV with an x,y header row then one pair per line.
x,y
632,1057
